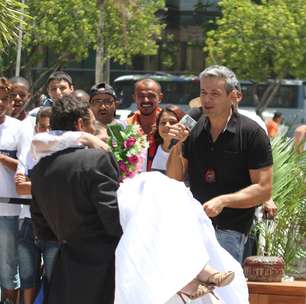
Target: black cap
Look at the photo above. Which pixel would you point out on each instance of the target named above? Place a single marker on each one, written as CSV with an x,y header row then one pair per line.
x,y
102,88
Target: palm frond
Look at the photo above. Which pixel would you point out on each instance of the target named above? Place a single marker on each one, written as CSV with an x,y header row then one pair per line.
x,y
12,18
289,194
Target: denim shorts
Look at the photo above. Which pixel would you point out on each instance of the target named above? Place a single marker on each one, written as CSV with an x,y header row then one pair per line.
x,y
30,253
232,241
9,278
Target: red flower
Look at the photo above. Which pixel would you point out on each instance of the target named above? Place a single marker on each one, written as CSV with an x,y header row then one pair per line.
x,y
130,142
133,159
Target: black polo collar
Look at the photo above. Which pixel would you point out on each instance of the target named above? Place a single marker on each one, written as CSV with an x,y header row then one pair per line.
x,y
231,125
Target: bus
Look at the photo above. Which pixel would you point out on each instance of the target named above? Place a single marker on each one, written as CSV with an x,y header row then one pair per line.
x,y
290,100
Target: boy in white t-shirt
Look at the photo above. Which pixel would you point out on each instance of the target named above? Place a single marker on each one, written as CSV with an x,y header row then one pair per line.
x,y
30,250
10,148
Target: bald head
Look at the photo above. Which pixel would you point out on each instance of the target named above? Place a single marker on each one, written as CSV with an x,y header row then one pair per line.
x,y
147,83
147,95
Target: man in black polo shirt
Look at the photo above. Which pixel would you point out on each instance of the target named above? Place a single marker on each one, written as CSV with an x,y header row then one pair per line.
x,y
228,159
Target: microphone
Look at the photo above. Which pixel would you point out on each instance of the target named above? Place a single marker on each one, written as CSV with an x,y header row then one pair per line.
x,y
189,123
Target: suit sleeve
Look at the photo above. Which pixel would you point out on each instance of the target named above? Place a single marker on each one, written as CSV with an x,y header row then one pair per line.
x,y
41,227
104,183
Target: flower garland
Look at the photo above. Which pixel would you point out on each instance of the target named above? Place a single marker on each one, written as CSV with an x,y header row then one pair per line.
x,y
129,146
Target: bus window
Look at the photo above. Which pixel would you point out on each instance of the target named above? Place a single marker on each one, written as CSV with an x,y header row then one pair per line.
x,y
285,97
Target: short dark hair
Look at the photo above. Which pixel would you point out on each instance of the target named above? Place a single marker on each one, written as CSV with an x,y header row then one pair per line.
x,y
66,111
60,75
277,115
177,111
5,85
20,80
81,94
43,112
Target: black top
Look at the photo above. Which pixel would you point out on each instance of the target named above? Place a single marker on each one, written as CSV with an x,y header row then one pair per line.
x,y
222,167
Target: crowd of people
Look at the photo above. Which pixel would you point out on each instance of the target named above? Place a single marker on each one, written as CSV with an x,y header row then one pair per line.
x,y
65,208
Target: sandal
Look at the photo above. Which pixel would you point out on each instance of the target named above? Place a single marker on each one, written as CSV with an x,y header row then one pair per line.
x,y
220,279
198,293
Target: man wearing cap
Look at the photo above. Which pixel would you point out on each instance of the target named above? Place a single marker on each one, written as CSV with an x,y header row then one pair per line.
x,y
103,102
147,95
228,159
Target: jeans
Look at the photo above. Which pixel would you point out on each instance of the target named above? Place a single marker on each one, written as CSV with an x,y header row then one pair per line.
x,y
49,250
30,252
233,242
28,255
9,278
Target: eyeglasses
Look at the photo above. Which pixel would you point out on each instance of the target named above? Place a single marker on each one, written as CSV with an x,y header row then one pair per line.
x,y
104,102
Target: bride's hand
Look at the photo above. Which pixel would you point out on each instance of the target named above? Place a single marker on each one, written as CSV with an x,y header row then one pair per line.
x,y
92,141
178,132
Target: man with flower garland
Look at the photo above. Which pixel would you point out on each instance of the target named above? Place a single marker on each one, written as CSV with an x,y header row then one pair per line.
x,y
147,95
75,202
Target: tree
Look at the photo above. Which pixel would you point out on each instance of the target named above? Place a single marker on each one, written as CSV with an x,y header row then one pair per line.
x,y
69,29
132,28
260,41
11,17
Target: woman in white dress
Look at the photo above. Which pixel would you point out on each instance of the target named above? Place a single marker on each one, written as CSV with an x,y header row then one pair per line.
x,y
168,240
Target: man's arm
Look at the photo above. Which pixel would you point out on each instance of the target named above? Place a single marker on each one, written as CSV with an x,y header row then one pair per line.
x,y
41,227
103,186
8,162
299,138
23,184
259,191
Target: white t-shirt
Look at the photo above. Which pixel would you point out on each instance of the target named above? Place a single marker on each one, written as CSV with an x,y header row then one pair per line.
x,y
254,117
160,160
26,161
11,141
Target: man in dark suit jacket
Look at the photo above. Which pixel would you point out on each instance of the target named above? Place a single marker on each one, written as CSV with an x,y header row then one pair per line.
x,y
75,202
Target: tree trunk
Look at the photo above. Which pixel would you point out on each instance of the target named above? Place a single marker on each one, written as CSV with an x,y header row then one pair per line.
x,y
100,44
267,97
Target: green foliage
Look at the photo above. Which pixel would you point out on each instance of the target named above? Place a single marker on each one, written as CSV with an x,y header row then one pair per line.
x,y
133,33
11,18
69,29
285,235
260,41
